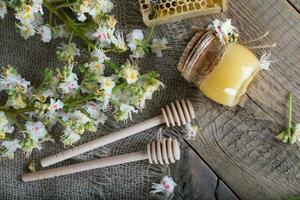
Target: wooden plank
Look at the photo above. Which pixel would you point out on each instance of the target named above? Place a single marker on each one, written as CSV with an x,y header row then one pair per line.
x,y
239,143
196,180
295,4
223,192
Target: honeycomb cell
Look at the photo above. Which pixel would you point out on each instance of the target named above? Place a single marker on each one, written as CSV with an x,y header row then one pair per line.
x,y
172,11
203,3
191,6
146,6
168,5
181,2
197,5
179,9
185,8
165,10
174,3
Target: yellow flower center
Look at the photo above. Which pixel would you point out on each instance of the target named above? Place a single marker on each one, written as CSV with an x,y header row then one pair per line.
x,y
27,11
132,75
98,66
107,84
2,135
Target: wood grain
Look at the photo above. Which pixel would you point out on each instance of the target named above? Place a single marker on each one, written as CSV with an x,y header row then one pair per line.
x,y
295,4
239,143
196,180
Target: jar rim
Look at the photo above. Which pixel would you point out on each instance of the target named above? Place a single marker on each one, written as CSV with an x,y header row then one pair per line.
x,y
194,55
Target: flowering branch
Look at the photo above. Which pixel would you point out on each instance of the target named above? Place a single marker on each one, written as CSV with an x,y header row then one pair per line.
x,y
68,22
77,106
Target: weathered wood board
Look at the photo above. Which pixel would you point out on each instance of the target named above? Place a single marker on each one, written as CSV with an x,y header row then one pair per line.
x,y
196,180
238,143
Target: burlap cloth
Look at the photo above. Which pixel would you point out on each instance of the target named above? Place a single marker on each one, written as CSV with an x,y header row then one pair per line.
x,y
127,181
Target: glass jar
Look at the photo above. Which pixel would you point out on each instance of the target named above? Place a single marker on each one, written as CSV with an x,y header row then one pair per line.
x,y
223,73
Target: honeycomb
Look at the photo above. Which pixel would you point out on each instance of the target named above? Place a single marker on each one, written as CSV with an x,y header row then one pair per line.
x,y
162,11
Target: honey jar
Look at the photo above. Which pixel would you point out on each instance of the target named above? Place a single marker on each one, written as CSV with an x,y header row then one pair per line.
x,y
222,72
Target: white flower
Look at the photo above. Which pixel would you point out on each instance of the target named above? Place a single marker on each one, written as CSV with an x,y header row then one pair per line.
x,y
37,6
68,51
47,93
149,90
38,20
60,32
3,9
81,118
69,137
10,147
119,42
166,186
97,67
104,35
26,31
223,30
95,111
127,111
45,32
99,54
25,15
69,85
265,61
107,84
81,17
297,132
5,126
54,107
106,6
16,103
225,26
37,130
130,74
135,42
135,36
12,81
158,45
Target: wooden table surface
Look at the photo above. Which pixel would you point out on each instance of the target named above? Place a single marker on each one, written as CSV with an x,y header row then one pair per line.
x,y
236,148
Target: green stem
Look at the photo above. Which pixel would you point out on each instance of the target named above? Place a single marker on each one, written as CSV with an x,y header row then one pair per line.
x,y
64,5
112,65
69,22
15,121
149,35
75,102
71,37
16,111
50,18
84,112
290,103
60,121
23,116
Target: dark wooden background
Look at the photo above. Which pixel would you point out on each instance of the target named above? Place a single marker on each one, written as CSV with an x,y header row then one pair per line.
x,y
236,155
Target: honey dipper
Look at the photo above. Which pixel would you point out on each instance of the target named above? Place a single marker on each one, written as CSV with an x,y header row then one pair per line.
x,y
176,114
162,152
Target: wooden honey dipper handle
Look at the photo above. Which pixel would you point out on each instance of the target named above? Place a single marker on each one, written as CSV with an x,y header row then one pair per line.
x,y
159,152
126,132
89,165
177,114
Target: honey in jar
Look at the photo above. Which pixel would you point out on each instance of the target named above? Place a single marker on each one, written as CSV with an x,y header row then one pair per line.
x,y
222,72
